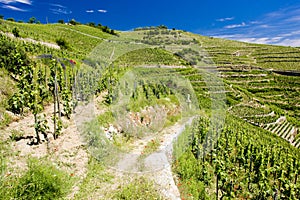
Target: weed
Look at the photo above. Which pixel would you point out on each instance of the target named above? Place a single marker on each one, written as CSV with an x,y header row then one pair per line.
x,y
5,119
151,146
16,135
41,181
140,188
94,180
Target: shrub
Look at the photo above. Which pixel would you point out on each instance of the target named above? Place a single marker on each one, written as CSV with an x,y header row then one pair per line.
x,y
73,22
16,32
61,21
10,19
32,20
41,181
62,43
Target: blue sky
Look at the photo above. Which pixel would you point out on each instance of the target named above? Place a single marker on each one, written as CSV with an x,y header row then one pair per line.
x,y
267,21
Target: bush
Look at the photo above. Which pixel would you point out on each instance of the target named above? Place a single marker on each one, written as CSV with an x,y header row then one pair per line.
x,y
10,19
62,43
61,21
74,22
42,181
16,32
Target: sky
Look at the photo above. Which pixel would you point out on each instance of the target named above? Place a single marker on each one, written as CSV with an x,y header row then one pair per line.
x,y
268,21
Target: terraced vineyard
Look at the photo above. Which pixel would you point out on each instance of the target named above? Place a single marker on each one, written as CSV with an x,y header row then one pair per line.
x,y
234,54
250,152
269,97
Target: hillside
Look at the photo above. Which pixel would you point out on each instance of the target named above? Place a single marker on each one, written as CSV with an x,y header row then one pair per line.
x,y
147,114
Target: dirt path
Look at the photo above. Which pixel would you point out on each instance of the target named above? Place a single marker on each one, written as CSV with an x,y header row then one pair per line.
x,y
47,44
157,165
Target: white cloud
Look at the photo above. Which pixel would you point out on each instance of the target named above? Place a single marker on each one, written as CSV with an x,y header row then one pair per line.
x,y
102,11
244,38
293,33
277,40
90,11
293,19
57,5
59,9
255,22
13,8
235,25
289,42
225,19
28,2
280,27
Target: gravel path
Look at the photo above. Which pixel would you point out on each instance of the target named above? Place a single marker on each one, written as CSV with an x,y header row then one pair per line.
x,y
157,165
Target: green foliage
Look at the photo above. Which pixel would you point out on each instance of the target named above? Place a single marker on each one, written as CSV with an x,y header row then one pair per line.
x,y
10,19
98,144
61,21
106,118
5,119
32,20
16,135
41,125
62,43
74,22
139,188
16,32
67,102
151,28
5,153
41,181
247,162
92,24
149,56
151,147
194,177
81,39
97,177
12,57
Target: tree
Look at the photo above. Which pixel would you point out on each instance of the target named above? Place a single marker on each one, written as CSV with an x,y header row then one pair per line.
x,y
10,19
1,17
92,24
61,21
162,27
105,29
32,20
73,22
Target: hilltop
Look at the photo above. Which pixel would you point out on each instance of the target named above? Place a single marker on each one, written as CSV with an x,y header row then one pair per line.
x,y
152,113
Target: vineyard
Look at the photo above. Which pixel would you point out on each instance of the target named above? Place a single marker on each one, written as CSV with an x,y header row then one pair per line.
x,y
147,114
